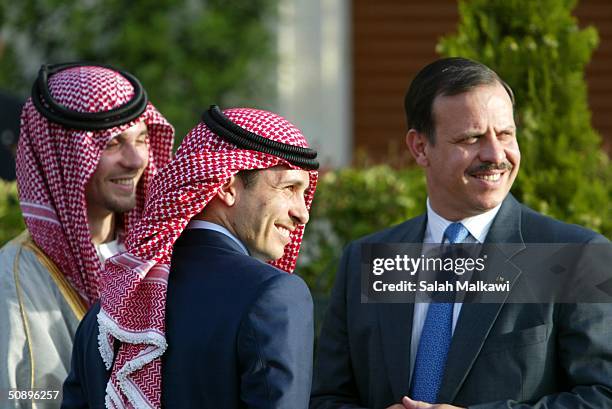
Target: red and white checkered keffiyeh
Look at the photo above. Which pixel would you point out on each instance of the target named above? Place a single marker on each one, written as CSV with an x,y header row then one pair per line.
x,y
54,164
133,301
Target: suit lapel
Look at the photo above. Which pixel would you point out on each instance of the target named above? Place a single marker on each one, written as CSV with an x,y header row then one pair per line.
x,y
477,319
395,321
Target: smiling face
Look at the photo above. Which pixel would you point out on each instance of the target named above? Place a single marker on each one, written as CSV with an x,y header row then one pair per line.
x,y
269,209
112,187
475,159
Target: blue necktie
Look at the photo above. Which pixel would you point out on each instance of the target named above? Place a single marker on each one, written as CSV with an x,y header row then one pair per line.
x,y
435,339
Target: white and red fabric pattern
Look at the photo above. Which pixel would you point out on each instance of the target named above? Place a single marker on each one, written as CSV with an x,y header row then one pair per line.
x,y
134,293
54,164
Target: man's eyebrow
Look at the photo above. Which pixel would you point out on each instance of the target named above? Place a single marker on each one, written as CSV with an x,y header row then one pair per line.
x,y
295,181
509,128
470,134
122,135
478,133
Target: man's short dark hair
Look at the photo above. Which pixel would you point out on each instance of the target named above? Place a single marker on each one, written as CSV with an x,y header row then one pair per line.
x,y
447,76
248,177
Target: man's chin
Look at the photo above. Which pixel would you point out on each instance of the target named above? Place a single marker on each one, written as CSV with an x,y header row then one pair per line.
x,y
489,202
267,254
121,206
275,256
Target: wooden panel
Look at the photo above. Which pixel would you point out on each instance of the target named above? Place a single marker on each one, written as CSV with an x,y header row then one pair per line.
x,y
394,39
599,71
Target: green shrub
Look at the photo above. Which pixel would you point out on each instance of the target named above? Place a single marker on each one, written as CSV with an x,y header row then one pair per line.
x,y
11,222
351,203
187,54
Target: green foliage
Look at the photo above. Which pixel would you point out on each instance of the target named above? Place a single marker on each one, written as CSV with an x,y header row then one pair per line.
x,y
11,221
538,48
188,54
351,203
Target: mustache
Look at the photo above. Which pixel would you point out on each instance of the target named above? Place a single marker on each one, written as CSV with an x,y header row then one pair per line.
x,y
487,166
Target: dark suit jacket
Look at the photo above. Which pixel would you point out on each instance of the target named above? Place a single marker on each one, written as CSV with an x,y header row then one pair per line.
x,y
545,355
239,333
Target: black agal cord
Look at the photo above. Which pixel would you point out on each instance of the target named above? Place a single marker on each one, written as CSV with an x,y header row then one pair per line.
x,y
222,126
89,121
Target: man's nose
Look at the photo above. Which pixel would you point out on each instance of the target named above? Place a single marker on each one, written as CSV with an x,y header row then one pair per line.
x,y
491,149
134,156
299,212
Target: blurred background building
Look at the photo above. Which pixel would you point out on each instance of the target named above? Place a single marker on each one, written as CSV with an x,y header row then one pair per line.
x,y
345,66
337,68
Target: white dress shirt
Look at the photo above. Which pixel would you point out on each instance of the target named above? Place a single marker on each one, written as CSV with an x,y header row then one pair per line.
x,y
478,226
109,249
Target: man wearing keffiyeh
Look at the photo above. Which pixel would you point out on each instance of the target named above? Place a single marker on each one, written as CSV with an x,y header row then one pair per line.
x,y
192,315
90,143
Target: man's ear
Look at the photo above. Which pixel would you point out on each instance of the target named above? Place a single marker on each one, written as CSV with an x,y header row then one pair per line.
x,y
417,144
228,193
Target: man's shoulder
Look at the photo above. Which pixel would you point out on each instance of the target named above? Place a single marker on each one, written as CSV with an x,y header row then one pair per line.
x,y
8,251
537,227
225,265
211,251
15,243
268,275
28,260
263,277
253,266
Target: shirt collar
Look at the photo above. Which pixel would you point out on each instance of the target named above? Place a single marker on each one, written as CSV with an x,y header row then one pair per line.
x,y
201,224
478,225
109,249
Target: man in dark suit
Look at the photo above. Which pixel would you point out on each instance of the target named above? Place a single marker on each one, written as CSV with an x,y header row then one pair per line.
x,y
450,354
192,315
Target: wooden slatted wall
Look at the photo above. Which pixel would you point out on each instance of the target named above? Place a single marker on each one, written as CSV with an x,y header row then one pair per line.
x,y
599,71
393,39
